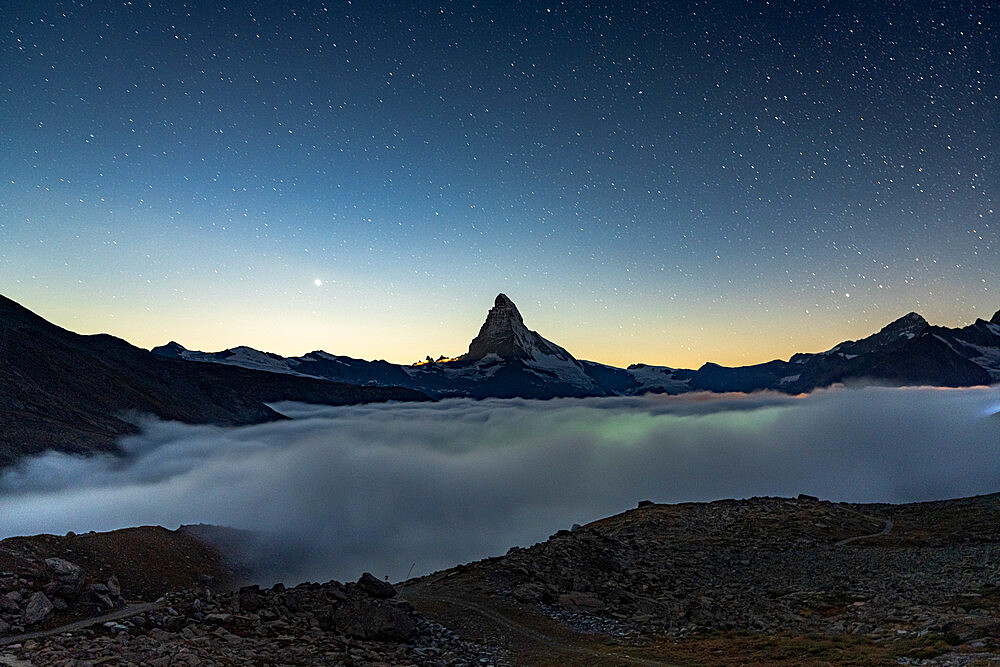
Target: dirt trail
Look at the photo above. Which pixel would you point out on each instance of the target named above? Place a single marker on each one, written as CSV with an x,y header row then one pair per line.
x,y
118,614
885,531
553,645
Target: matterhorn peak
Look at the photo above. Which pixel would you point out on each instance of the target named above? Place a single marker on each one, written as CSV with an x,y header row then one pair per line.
x,y
505,309
504,336
503,333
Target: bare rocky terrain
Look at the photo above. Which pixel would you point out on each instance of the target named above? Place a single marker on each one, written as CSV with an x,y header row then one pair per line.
x,y
757,581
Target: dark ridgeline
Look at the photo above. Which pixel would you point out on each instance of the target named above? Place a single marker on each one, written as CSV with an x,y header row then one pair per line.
x,y
72,393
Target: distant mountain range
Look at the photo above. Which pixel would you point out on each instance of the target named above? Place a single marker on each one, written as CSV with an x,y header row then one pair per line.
x,y
508,360
73,393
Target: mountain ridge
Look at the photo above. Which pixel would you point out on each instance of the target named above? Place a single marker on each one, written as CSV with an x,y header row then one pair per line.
x,y
507,359
74,393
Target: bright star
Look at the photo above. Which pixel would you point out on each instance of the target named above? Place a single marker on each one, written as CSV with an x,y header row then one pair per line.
x,y
318,282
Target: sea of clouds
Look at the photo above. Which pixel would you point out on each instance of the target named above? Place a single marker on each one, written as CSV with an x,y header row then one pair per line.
x,y
382,487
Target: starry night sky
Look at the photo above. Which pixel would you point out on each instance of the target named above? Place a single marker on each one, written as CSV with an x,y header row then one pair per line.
x,y
668,182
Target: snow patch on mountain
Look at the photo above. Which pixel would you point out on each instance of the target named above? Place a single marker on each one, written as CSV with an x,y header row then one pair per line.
x,y
659,378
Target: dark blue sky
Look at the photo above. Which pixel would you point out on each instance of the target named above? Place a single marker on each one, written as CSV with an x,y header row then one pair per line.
x,y
649,182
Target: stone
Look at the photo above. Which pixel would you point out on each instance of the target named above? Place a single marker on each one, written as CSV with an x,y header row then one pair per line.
x,y
249,599
114,587
9,603
67,578
63,569
372,621
37,609
530,592
380,590
581,600
219,619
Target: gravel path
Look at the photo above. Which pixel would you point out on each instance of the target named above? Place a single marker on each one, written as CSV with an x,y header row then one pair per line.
x,y
885,531
118,614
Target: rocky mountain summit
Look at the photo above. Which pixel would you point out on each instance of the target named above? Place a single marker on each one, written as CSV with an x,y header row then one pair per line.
x,y
755,581
504,335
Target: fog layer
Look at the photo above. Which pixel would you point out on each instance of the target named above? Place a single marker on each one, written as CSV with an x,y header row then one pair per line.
x,y
380,487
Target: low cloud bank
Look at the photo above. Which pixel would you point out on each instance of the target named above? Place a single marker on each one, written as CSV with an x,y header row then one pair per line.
x,y
380,487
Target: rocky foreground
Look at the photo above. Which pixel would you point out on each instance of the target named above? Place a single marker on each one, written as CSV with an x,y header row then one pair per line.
x,y
764,580
888,583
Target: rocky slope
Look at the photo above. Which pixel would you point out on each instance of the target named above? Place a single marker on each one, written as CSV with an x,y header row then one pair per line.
x,y
60,390
763,580
907,581
150,596
48,580
360,623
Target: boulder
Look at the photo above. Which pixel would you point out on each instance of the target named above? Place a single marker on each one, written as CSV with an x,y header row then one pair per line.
x,y
249,599
529,592
9,602
59,568
367,620
67,577
380,590
37,609
114,587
